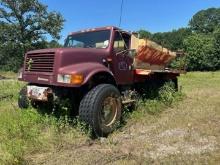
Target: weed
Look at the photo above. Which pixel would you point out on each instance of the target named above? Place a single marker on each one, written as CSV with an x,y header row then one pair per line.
x,y
167,93
23,132
167,96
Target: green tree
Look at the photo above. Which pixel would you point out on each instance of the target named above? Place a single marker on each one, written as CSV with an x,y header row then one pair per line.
x,y
201,53
205,21
217,39
172,40
24,24
203,47
47,44
217,47
144,34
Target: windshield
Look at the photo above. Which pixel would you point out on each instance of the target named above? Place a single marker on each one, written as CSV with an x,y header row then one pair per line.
x,y
95,39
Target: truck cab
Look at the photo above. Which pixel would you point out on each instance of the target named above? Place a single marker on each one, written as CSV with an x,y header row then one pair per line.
x,y
85,53
94,70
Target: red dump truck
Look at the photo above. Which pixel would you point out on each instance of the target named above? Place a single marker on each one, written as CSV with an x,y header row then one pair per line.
x,y
98,71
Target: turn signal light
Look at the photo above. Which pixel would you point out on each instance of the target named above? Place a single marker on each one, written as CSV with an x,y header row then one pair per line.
x,y
77,79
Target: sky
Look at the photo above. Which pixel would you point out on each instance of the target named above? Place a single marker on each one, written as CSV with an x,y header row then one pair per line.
x,y
151,15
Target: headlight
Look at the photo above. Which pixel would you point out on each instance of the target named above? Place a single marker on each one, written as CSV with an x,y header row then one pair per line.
x,y
64,78
70,79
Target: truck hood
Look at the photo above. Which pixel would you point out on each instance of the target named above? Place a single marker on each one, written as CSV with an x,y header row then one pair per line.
x,y
70,56
43,66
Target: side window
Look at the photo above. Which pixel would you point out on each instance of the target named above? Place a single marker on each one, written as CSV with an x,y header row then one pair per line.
x,y
121,42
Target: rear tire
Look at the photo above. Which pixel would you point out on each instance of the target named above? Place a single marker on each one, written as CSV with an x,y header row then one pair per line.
x,y
175,81
100,108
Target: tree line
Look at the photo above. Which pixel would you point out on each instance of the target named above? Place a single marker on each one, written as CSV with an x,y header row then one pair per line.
x,y
200,41
26,25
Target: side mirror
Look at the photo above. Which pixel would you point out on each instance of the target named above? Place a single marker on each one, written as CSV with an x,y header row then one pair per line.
x,y
132,52
129,52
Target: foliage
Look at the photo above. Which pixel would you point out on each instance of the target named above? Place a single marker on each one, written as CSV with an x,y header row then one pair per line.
x,y
168,94
24,26
203,47
165,96
144,34
10,56
201,53
172,40
19,130
28,131
205,21
217,43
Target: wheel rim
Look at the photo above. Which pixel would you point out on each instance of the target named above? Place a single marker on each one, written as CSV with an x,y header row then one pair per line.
x,y
109,111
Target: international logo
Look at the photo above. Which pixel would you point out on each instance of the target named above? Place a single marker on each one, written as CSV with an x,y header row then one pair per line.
x,y
29,64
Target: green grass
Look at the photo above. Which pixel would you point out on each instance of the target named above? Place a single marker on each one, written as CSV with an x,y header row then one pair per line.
x,y
24,132
8,74
174,128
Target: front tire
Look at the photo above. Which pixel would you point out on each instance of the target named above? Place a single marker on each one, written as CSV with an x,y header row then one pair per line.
x,y
101,108
23,101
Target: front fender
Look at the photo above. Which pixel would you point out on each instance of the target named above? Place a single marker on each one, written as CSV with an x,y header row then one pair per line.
x,y
87,69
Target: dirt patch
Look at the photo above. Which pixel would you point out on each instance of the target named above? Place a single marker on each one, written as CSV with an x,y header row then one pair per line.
x,y
176,141
132,147
173,132
168,142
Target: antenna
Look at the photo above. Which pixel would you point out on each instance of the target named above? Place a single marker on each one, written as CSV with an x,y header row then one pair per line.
x,y
121,12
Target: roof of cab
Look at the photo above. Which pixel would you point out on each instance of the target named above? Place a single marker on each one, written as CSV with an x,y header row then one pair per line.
x,y
96,29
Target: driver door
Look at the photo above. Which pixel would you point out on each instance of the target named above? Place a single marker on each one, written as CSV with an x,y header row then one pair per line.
x,y
122,62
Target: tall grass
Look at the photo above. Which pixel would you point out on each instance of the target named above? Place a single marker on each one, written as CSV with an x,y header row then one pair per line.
x,y
28,131
166,96
24,132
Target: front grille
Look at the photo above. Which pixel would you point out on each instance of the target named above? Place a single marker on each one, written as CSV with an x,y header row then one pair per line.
x,y
40,62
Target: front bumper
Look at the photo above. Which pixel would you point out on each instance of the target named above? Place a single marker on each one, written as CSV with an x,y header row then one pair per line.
x,y
39,93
